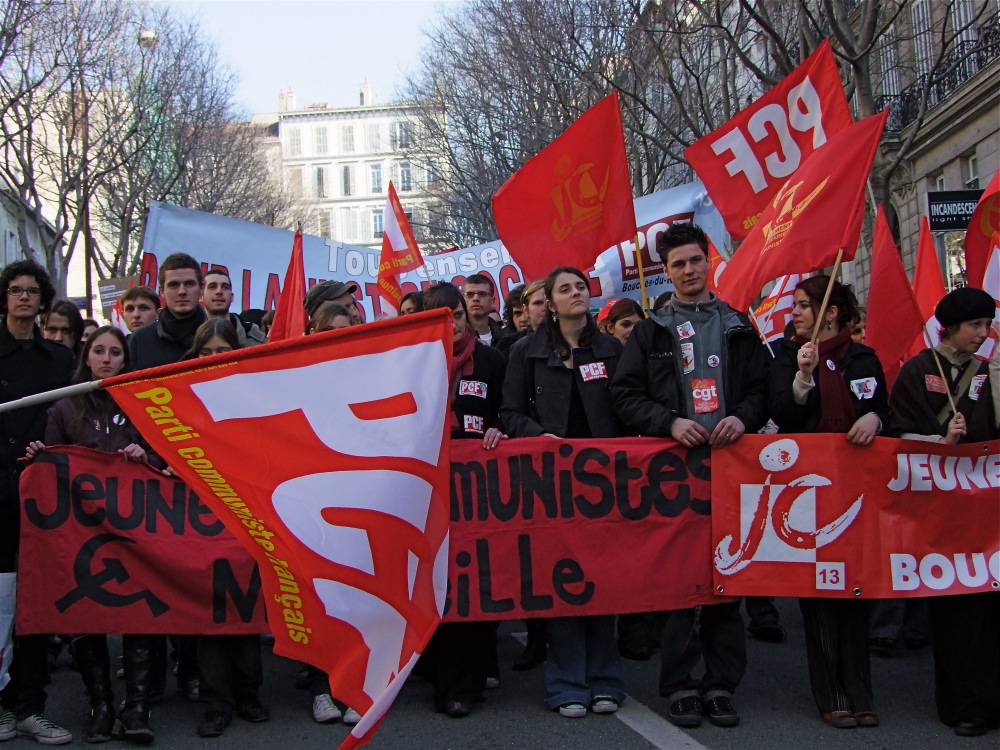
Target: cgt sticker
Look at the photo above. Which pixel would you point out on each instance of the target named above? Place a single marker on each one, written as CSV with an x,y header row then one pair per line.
x,y
705,395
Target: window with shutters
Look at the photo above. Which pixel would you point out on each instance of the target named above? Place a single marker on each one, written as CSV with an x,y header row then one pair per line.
x,y
405,177
323,224
321,191
347,179
294,142
295,182
320,144
378,223
923,42
376,177
347,139
374,136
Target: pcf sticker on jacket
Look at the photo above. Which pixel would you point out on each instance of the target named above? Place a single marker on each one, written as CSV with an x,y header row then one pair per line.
x,y
685,331
472,388
704,395
593,371
474,423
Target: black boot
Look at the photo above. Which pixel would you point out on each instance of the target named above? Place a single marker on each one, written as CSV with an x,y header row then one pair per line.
x,y
133,721
91,655
535,649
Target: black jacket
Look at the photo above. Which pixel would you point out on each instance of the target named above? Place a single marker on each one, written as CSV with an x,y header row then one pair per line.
x,y
859,365
478,396
24,371
537,391
648,387
152,346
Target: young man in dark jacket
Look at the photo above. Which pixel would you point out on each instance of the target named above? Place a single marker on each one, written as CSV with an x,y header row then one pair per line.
x,y
166,340
28,365
696,372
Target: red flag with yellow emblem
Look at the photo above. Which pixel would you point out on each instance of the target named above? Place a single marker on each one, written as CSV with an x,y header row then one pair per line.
x,y
984,224
817,212
573,200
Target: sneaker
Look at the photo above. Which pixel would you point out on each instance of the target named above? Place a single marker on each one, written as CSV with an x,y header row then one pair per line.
x,y
351,717
720,711
573,710
43,731
191,689
8,725
686,712
325,711
492,683
604,704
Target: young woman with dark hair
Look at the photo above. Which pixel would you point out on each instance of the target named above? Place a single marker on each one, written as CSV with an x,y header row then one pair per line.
x,y
214,336
838,386
94,420
547,393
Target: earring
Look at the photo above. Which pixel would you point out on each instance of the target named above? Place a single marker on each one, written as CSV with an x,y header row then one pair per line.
x,y
829,326
555,318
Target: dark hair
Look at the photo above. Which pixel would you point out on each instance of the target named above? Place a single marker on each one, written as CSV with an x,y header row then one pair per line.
x,y
480,278
622,309
141,291
550,328
444,294
322,319
842,296
212,327
90,322
416,297
512,300
98,403
176,262
662,299
26,268
218,272
72,313
680,234
267,319
252,315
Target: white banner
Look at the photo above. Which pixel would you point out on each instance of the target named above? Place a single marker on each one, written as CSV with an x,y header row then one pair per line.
x,y
255,255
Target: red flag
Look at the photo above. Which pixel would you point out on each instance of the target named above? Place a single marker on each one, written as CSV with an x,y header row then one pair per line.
x,y
399,251
347,511
893,316
716,267
817,212
984,224
290,313
774,312
573,200
745,162
991,283
928,288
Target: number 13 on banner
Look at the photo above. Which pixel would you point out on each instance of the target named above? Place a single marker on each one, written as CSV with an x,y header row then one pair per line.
x,y
830,576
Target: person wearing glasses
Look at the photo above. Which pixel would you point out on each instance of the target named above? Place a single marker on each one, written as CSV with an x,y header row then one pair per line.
x,y
478,291
29,364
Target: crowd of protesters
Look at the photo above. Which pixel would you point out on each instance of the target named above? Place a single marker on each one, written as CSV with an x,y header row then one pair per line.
x,y
641,367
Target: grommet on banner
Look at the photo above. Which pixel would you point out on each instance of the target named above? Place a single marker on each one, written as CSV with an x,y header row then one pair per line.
x,y
857,592
995,584
720,589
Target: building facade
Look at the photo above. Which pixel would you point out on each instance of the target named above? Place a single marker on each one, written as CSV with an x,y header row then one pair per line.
x,y
336,163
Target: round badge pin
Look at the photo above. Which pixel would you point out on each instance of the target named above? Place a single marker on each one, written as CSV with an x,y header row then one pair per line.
x,y
830,364
713,361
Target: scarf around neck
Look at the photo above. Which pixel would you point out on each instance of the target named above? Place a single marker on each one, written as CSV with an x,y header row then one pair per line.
x,y
836,407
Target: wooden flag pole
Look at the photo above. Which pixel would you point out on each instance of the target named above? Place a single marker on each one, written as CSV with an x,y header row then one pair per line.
x,y
937,361
642,276
826,296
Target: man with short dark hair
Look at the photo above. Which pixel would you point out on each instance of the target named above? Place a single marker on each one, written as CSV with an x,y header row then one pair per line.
x,y
478,291
217,298
140,306
29,364
696,371
166,340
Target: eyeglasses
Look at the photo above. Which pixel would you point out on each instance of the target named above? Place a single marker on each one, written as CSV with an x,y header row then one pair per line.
x,y
476,295
56,331
17,291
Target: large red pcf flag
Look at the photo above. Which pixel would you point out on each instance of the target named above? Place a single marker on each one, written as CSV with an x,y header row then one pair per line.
x,y
985,222
928,288
816,213
290,313
345,504
893,317
744,162
573,200
399,251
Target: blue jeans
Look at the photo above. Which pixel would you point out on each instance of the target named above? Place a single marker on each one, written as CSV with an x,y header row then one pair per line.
x,y
713,632
583,661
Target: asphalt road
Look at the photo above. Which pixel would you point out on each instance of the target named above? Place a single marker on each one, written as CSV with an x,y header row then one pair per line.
x,y
774,701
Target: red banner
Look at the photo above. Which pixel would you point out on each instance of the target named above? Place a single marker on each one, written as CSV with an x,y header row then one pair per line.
x,y
744,162
571,201
112,546
543,527
328,458
812,515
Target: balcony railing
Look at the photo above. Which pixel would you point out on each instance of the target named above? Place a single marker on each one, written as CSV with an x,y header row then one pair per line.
x,y
964,61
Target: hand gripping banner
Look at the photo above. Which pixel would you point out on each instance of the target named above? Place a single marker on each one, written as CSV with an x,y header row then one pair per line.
x,y
328,457
812,515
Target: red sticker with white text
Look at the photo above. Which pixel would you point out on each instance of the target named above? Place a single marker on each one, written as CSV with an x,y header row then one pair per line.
x,y
472,388
474,423
593,371
935,384
705,395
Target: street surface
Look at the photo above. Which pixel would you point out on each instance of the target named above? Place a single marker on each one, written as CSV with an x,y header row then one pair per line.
x,y
774,702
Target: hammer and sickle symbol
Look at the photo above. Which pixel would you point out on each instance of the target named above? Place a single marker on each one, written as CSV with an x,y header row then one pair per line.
x,y
90,584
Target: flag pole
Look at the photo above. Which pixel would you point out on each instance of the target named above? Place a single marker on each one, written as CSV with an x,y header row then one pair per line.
x,y
756,324
826,296
44,398
937,361
642,276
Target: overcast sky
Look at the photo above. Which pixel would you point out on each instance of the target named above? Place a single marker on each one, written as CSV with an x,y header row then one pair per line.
x,y
321,48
